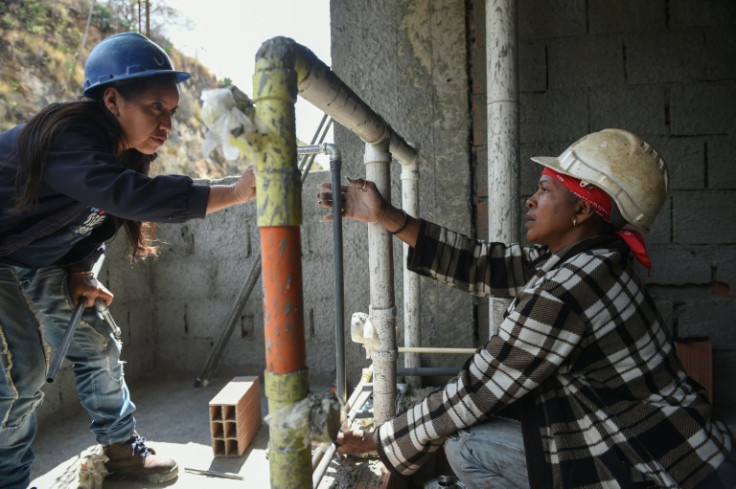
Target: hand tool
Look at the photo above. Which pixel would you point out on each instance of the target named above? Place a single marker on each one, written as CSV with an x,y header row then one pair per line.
x,y
213,473
66,341
104,312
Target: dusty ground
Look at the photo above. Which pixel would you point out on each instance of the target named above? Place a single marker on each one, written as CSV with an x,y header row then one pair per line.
x,y
173,416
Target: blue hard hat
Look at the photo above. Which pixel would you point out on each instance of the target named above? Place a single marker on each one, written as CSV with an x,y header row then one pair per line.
x,y
125,57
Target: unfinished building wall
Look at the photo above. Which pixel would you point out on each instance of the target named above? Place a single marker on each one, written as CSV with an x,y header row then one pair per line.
x,y
664,70
407,60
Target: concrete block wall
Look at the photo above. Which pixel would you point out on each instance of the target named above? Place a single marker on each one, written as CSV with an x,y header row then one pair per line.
x,y
663,69
408,61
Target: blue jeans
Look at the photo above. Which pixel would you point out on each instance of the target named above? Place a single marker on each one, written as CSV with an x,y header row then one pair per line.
x,y
489,455
35,309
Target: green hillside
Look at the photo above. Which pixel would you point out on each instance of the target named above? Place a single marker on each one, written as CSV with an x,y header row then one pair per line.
x,y
43,45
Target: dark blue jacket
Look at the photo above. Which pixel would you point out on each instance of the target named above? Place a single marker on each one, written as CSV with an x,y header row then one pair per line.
x,y
82,171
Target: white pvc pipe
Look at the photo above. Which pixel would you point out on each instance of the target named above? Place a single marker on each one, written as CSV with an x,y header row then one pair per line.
x,y
503,132
412,334
318,84
382,308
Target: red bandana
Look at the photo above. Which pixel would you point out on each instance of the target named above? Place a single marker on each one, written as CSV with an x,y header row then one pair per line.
x,y
601,202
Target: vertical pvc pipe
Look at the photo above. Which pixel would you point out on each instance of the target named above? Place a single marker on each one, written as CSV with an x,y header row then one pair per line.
x,y
335,166
382,308
412,335
503,132
337,248
279,217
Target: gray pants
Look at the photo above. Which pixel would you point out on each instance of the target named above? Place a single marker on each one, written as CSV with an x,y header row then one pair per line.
x,y
489,455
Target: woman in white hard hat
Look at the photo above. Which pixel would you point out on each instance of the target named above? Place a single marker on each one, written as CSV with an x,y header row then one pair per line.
x,y
580,388
69,179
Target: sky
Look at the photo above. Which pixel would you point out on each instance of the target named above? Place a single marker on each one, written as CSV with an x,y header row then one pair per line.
x,y
226,34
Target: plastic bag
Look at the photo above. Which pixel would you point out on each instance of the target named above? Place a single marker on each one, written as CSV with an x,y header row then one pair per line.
x,y
227,112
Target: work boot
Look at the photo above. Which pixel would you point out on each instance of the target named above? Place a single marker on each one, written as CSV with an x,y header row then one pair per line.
x,y
132,459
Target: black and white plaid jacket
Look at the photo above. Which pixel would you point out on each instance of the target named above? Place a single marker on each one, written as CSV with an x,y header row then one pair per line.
x,y
585,348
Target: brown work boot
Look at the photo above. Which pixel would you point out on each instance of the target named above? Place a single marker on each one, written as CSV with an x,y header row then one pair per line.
x,y
132,459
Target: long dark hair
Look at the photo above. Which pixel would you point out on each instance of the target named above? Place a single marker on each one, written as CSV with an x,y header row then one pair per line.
x,y
41,133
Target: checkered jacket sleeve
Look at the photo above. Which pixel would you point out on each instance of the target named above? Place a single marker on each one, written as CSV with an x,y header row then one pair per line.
x,y
480,268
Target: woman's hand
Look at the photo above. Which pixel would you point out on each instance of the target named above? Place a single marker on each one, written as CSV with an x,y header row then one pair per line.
x,y
240,192
355,442
360,200
245,187
86,284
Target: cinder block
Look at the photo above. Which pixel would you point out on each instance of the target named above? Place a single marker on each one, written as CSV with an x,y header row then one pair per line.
x,y
606,17
532,67
696,356
551,19
721,162
685,158
235,416
680,265
561,115
661,231
702,109
664,57
725,267
585,62
639,109
690,13
696,216
710,317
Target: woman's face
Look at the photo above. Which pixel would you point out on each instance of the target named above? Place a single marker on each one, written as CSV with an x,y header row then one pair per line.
x,y
549,220
146,119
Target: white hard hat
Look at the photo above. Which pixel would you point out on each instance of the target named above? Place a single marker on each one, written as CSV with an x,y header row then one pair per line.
x,y
621,164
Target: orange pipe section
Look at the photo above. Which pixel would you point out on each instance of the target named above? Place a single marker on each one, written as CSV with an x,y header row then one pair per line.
x,y
283,300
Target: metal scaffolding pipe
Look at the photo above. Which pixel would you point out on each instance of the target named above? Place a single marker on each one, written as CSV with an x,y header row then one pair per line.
x,y
503,132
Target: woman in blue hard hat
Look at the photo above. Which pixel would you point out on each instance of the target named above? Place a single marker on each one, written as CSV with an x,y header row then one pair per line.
x,y
70,178
580,388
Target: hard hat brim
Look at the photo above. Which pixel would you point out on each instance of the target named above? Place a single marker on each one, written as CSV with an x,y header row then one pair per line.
x,y
180,77
549,161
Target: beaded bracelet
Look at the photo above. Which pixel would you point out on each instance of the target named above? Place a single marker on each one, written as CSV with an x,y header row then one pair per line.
x,y
403,225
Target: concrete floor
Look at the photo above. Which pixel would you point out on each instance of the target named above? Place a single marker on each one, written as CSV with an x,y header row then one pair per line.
x,y
173,416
